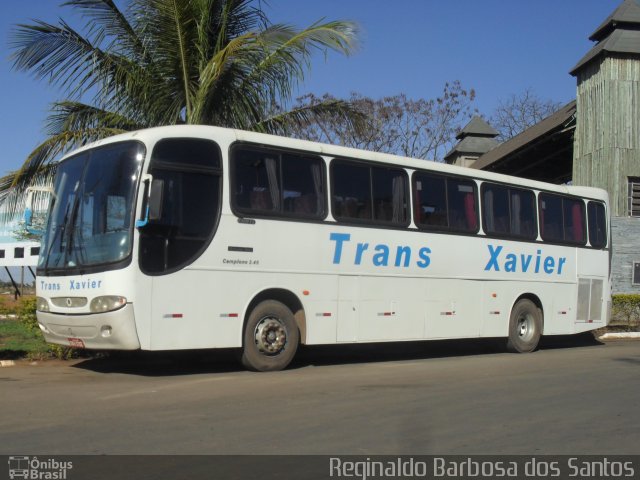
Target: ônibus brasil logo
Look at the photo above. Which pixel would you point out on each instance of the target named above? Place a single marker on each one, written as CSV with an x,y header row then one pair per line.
x,y
38,469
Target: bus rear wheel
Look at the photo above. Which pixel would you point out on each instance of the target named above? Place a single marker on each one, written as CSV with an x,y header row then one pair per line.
x,y
270,338
525,327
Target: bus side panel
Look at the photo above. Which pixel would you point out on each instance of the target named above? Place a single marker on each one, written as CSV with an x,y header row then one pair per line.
x,y
189,310
451,308
558,303
388,309
496,305
348,308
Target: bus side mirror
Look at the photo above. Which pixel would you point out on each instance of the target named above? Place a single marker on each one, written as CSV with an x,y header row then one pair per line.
x,y
156,195
154,191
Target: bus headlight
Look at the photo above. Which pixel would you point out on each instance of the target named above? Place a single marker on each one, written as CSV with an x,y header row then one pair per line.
x,y
107,303
42,305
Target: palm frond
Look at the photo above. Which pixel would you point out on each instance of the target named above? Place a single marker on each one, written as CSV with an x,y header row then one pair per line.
x,y
57,53
161,62
225,60
285,123
107,21
77,116
288,52
56,146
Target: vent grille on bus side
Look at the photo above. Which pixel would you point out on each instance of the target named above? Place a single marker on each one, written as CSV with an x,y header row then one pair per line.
x,y
589,300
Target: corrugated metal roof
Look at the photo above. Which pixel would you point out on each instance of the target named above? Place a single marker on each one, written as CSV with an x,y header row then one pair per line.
x,y
627,12
555,121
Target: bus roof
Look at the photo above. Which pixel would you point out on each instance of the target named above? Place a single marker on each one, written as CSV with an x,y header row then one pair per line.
x,y
152,135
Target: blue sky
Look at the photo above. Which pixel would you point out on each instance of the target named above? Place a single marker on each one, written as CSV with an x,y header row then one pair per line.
x,y
497,47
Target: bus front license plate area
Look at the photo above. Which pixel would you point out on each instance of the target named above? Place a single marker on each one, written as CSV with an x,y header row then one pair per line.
x,y
75,342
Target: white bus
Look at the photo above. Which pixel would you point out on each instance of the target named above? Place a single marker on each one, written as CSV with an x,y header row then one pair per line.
x,y
194,237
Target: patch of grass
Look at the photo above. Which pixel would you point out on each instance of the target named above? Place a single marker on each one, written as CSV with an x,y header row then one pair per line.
x,y
19,341
20,337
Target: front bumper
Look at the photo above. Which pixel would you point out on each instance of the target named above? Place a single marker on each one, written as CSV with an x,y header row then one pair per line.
x,y
98,331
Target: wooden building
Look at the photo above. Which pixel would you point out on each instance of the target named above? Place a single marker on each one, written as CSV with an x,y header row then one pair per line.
x,y
606,150
594,140
607,138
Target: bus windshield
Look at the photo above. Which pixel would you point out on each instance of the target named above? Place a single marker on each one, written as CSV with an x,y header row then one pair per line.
x,y
92,210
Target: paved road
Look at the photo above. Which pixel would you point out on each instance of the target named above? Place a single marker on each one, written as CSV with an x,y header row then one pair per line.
x,y
574,396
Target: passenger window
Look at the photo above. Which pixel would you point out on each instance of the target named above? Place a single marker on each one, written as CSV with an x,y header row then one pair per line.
x,y
255,180
271,182
562,219
445,203
363,192
430,201
389,195
597,224
508,211
551,223
574,221
351,193
303,186
190,171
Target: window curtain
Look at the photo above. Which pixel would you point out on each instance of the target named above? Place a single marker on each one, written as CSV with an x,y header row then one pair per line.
x,y
470,211
488,211
516,213
578,227
316,173
272,176
398,187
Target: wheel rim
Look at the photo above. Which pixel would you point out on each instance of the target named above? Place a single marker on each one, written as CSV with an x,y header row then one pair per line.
x,y
526,327
270,336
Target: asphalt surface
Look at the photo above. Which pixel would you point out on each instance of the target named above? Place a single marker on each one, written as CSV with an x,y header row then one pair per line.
x,y
575,396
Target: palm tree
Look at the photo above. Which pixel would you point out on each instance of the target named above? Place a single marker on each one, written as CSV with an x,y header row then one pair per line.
x,y
162,62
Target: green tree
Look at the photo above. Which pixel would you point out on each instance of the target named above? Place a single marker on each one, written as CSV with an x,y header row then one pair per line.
x,y
163,62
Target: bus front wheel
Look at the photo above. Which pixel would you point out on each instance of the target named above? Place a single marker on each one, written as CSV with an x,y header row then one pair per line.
x,y
525,327
270,338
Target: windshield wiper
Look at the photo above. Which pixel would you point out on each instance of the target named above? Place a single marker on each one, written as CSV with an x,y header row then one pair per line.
x,y
60,229
72,228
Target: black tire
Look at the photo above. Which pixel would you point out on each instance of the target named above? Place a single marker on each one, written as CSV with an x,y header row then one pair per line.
x,y
525,327
270,337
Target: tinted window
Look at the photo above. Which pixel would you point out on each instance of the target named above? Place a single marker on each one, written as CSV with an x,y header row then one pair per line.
x,y
90,222
189,170
369,193
271,182
389,195
562,219
183,153
508,211
351,193
597,224
445,203
302,186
